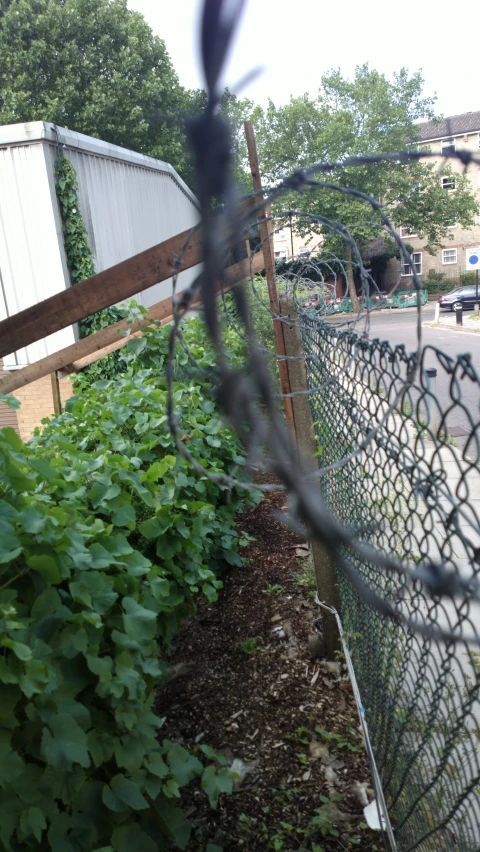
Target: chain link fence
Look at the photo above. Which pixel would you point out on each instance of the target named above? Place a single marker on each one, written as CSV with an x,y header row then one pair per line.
x,y
393,473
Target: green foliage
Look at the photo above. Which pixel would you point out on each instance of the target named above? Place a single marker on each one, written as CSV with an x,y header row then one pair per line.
x,y
467,279
93,66
368,115
273,590
81,266
107,536
79,256
437,282
248,646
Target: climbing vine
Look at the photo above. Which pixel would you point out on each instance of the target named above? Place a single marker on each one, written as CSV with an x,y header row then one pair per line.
x,y
81,265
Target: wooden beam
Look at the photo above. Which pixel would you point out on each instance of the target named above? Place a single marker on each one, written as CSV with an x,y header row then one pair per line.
x,y
113,285
66,360
266,236
57,402
77,366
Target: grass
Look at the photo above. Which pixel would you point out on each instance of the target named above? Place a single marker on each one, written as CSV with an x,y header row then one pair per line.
x,y
248,646
273,590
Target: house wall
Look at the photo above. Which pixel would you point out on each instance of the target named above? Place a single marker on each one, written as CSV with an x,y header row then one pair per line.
x,y
461,238
282,243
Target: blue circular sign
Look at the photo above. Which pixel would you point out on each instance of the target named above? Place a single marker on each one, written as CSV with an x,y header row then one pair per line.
x,y
473,259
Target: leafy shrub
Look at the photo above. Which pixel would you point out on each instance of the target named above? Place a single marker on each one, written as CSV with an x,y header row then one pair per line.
x,y
467,279
437,282
107,535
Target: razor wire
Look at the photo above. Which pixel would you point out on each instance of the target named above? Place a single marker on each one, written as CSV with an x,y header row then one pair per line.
x,y
394,502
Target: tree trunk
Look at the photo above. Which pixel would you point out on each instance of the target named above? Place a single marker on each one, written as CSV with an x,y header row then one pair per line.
x,y
350,279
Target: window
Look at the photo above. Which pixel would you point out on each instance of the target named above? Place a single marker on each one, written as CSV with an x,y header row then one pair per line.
x,y
281,254
405,232
281,234
447,146
303,252
417,263
449,256
448,183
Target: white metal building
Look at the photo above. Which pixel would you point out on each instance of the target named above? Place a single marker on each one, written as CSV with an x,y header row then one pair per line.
x,y
129,202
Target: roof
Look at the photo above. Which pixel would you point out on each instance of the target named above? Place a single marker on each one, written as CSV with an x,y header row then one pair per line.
x,y
37,131
452,125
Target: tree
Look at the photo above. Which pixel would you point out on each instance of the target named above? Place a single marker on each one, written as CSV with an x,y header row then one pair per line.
x,y
367,116
235,111
93,66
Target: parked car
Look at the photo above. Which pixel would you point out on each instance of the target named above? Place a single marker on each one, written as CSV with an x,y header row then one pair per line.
x,y
462,297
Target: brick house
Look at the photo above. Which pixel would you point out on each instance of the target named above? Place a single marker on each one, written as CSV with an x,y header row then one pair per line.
x,y
452,258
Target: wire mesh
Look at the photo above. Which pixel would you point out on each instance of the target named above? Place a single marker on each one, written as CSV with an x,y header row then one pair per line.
x,y
411,491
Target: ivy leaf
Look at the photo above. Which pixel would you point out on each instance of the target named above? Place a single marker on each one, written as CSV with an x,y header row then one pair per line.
x,y
47,567
23,652
35,678
65,743
157,766
124,516
11,764
33,522
214,783
129,753
131,837
128,792
139,623
159,468
183,765
11,548
101,493
33,822
101,746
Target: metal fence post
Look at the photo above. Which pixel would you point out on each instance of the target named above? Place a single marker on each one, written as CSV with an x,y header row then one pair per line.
x,y
432,387
325,572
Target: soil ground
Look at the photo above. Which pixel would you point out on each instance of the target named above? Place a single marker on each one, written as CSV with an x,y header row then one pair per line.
x,y
286,722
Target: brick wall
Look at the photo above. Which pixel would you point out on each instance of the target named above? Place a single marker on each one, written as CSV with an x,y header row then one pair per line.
x,y
36,402
8,417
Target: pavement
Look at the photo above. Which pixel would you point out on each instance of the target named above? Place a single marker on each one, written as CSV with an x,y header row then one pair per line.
x,y
470,323
400,326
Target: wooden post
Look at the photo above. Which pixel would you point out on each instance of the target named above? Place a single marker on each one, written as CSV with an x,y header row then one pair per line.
x,y
266,236
57,402
325,572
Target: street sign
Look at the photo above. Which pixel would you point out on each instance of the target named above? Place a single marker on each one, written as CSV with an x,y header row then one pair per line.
x,y
473,258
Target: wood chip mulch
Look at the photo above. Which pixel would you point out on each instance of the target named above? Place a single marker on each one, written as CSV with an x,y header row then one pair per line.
x,y
262,710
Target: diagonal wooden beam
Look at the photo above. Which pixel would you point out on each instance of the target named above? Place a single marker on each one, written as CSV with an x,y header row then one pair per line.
x,y
113,285
69,359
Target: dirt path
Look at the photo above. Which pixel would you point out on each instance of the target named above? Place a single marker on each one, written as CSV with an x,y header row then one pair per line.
x,y
287,720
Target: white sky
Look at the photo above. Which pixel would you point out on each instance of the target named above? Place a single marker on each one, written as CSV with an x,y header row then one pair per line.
x,y
297,40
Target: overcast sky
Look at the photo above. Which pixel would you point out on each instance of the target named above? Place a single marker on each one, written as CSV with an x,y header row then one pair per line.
x,y
296,41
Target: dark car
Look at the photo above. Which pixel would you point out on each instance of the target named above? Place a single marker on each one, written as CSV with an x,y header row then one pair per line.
x,y
463,297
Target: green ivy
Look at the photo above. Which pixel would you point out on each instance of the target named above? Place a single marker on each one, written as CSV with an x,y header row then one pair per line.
x,y
107,535
81,266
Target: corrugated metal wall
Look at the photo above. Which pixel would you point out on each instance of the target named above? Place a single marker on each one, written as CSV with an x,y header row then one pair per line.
x,y
129,203
128,208
32,262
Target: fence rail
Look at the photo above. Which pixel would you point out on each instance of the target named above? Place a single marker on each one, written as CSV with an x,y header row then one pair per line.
x,y
414,491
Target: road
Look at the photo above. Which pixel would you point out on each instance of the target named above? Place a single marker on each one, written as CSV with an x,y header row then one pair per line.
x,y
400,326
